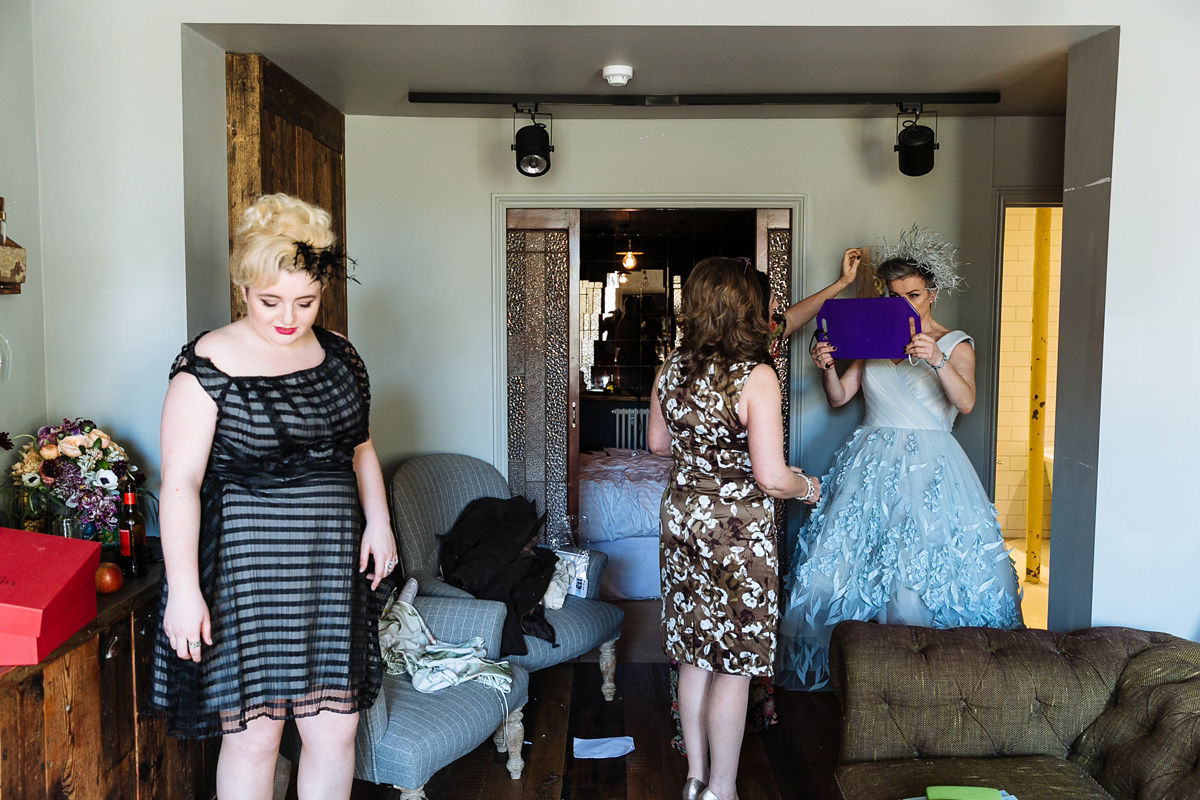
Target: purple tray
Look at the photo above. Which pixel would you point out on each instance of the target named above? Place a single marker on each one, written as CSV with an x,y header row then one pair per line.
x,y
867,327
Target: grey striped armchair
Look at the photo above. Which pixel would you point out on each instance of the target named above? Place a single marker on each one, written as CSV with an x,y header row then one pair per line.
x,y
406,735
426,496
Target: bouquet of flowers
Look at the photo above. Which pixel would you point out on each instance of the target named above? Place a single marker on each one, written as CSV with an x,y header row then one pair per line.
x,y
70,470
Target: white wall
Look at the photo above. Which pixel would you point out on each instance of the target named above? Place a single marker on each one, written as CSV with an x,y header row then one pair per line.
x,y
23,394
107,86
1147,548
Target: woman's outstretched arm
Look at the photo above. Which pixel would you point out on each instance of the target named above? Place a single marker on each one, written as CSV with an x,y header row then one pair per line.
x,y
800,314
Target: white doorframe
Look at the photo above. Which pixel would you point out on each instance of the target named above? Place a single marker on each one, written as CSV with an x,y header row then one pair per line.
x,y
501,203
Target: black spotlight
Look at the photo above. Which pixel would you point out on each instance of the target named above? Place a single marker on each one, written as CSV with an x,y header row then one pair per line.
x,y
915,142
532,145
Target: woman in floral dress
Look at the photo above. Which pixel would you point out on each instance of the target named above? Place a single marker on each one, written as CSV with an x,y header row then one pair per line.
x,y
716,410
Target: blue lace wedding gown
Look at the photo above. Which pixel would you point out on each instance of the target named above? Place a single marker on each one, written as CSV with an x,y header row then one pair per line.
x,y
903,533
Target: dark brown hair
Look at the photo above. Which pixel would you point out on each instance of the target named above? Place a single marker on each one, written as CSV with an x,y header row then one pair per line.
x,y
722,318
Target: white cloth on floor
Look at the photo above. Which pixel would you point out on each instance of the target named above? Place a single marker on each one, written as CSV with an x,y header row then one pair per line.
x,y
610,747
407,645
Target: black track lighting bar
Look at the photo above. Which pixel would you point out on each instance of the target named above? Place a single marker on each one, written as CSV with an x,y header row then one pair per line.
x,y
667,100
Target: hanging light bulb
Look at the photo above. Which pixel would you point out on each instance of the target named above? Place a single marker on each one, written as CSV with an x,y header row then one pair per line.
x,y
629,262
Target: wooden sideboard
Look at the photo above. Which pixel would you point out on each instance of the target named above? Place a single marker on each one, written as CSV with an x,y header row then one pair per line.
x,y
74,726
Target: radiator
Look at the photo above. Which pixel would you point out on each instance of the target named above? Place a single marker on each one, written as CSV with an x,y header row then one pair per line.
x,y
630,424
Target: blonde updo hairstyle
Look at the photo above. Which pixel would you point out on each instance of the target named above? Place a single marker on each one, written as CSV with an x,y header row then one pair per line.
x,y
265,241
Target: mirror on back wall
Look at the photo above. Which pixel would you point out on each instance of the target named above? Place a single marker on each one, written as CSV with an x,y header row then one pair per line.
x,y
633,264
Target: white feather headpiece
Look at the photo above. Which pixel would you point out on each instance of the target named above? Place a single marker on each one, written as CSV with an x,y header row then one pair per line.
x,y
930,252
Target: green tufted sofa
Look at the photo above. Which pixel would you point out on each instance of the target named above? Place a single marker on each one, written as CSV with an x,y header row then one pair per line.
x,y
1097,714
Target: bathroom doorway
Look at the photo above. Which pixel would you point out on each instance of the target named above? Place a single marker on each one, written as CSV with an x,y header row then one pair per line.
x,y
1026,392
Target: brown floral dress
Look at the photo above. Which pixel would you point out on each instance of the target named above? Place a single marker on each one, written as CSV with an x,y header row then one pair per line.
x,y
718,563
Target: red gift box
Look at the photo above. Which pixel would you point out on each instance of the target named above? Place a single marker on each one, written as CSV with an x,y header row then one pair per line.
x,y
47,592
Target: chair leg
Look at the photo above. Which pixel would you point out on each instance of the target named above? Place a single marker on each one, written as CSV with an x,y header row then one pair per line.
x,y
608,669
412,794
514,735
498,737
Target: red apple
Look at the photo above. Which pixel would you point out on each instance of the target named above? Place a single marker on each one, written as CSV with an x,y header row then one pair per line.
x,y
108,578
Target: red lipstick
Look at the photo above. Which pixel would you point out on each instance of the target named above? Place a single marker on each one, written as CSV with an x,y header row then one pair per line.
x,y
285,331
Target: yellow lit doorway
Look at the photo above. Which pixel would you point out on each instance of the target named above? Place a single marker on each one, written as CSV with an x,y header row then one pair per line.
x,y
1028,369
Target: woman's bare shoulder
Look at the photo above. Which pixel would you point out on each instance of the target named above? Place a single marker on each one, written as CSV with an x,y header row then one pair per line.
x,y
762,377
221,344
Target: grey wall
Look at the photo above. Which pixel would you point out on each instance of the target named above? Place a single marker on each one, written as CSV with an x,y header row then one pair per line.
x,y
205,184
1091,96
22,317
419,201
108,90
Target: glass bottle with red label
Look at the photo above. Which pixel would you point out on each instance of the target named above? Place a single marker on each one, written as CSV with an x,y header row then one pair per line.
x,y
131,528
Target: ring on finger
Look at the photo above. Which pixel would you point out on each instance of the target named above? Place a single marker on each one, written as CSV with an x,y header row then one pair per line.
x,y
193,645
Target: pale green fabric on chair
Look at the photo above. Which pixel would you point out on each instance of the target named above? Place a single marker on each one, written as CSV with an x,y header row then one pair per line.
x,y
407,736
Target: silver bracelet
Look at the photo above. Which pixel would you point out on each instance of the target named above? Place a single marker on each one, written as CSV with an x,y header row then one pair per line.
x,y
807,495
941,363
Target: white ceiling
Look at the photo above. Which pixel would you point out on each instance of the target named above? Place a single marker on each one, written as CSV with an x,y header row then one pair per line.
x,y
369,70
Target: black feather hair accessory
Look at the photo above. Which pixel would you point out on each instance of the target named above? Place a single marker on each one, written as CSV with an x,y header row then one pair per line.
x,y
323,263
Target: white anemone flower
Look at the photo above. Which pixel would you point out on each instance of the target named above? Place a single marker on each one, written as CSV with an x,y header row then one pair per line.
x,y
106,479
31,480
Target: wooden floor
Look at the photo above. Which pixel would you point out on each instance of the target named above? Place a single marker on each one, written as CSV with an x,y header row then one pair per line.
x,y
793,760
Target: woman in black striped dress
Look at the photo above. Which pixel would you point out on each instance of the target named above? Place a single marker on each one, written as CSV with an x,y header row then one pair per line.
x,y
275,527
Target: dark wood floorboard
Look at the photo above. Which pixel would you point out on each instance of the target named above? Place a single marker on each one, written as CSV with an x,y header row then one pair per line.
x,y
654,769
547,721
802,748
593,718
793,760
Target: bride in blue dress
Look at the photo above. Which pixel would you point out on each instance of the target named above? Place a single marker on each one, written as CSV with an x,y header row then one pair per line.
x,y
904,532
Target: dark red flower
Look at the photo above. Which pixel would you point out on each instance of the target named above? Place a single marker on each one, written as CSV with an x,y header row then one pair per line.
x,y
49,472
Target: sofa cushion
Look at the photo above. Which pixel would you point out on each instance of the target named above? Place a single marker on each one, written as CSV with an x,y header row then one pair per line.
x,y
1026,777
910,692
1147,744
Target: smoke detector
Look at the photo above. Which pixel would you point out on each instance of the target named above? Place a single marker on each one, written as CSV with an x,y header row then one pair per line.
x,y
617,74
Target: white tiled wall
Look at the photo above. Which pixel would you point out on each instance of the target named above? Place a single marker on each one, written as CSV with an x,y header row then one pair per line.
x,y
1016,315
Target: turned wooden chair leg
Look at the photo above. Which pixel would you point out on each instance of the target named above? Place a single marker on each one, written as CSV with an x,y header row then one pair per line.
x,y
608,669
514,735
412,794
498,737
